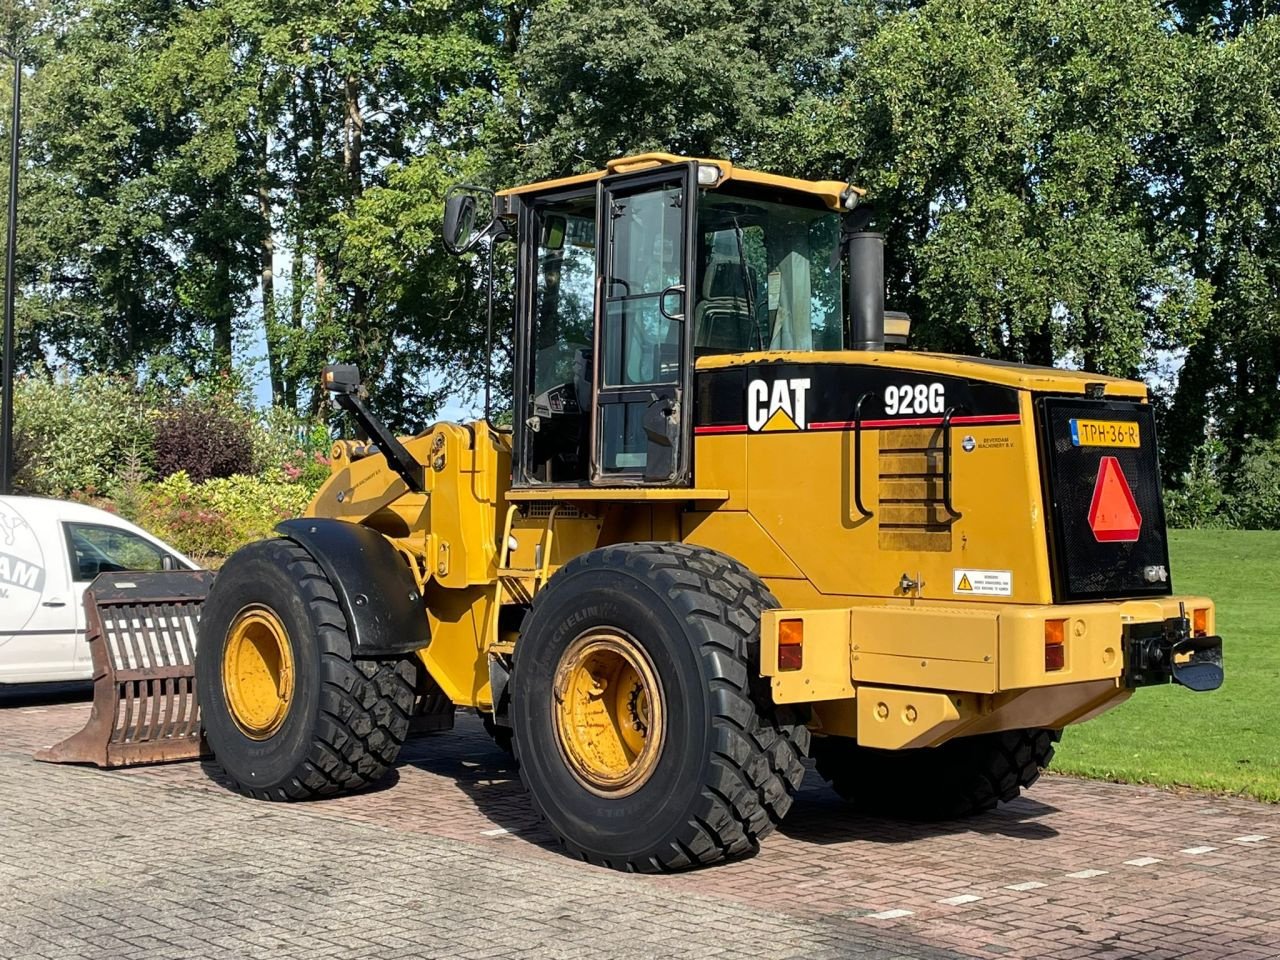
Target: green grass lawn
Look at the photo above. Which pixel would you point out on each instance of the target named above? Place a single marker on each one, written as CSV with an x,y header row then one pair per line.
x,y
1228,740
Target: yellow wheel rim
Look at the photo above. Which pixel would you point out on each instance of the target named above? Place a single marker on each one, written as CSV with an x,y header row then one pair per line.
x,y
608,712
257,672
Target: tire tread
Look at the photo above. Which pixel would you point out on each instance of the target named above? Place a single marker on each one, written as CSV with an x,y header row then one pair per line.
x,y
364,705
960,778
751,782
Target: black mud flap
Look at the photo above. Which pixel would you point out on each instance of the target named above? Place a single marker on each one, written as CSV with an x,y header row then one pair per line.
x,y
1196,663
386,616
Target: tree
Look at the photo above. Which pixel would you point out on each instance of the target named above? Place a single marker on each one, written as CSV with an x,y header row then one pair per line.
x,y
1227,156
129,235
1005,146
1088,183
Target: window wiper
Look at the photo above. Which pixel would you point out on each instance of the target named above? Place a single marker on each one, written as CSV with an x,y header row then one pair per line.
x,y
746,283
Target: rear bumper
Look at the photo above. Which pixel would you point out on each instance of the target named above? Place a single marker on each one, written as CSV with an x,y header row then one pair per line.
x,y
923,672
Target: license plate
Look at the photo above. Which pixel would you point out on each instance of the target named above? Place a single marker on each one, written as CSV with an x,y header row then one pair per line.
x,y
1105,433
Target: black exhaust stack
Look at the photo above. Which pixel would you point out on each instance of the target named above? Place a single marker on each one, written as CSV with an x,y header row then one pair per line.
x,y
866,291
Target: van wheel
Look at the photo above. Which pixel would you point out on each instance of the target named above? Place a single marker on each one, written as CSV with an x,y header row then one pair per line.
x,y
642,731
288,712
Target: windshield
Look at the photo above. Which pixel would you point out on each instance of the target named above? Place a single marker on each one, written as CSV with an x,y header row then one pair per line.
x,y
766,280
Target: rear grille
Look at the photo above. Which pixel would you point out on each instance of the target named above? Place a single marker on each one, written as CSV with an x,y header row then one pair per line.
x,y
541,510
912,515
1087,565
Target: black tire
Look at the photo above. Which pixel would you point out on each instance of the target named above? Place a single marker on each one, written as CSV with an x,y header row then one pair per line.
x,y
960,778
730,761
501,736
348,718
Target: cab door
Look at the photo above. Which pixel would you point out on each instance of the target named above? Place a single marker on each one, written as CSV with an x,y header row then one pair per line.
x,y
642,375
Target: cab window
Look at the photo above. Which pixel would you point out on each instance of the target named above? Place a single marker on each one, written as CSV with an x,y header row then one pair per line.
x,y
560,363
96,549
766,277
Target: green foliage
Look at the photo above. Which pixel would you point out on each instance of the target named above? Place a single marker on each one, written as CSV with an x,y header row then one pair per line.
x,y
1199,498
1006,148
1255,504
214,518
130,238
296,448
1226,155
75,433
1214,493
1087,182
604,79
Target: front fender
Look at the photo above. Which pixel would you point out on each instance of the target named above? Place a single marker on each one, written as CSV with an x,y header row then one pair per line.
x,y
378,595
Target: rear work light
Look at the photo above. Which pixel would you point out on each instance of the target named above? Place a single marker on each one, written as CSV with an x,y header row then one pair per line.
x,y
790,644
1055,650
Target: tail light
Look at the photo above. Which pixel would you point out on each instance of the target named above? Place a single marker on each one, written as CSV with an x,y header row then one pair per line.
x,y
1055,649
1200,622
790,644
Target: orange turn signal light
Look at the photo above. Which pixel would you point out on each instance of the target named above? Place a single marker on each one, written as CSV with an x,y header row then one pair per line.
x,y
790,644
1200,622
1055,651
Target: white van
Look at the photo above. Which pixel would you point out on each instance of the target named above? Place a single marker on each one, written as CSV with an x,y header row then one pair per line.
x,y
50,551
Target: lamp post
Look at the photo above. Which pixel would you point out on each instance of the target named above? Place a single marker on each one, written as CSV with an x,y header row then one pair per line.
x,y
6,416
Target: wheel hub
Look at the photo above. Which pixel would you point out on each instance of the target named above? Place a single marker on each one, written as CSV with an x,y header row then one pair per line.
x,y
257,672
608,712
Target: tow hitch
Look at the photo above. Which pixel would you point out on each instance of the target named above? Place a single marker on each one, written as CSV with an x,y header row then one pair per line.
x,y
1164,652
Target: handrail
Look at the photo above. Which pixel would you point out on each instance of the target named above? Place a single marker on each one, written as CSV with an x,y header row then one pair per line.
x,y
946,464
857,457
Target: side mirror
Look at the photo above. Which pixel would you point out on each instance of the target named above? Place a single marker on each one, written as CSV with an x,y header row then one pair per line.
x,y
461,206
168,563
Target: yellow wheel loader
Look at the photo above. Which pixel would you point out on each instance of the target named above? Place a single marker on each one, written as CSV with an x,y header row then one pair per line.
x,y
734,524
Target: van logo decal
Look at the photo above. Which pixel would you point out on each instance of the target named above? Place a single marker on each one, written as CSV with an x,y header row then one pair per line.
x,y
22,571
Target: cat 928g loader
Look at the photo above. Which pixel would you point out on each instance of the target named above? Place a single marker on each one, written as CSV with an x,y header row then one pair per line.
x,y
731,527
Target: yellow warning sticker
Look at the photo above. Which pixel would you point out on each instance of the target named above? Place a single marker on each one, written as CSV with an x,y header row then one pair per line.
x,y
987,583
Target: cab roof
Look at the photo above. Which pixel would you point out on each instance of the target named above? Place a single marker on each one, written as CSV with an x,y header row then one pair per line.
x,y
832,192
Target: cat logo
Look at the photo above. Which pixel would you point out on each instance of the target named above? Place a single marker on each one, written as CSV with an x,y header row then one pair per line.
x,y
777,405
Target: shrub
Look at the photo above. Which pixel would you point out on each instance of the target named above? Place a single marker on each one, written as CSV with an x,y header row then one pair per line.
x,y
216,517
1198,501
204,436
1255,501
296,446
73,433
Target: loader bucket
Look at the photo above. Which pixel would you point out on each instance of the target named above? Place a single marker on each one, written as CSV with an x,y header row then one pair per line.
x,y
141,629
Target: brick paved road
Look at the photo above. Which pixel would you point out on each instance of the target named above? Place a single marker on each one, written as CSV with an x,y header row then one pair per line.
x,y
446,860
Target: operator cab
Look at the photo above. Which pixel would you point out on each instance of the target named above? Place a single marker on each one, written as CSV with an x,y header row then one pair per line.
x,y
626,276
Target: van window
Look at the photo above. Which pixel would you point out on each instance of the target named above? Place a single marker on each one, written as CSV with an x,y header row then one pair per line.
x,y
95,548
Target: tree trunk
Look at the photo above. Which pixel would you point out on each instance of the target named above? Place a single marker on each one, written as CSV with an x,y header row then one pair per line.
x,y
1092,341
222,320
267,253
352,149
1040,342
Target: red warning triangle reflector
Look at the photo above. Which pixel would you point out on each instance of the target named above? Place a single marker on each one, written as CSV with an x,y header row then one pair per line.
x,y
1113,514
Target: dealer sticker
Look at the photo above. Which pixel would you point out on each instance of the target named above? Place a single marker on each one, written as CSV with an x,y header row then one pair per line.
x,y
988,583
